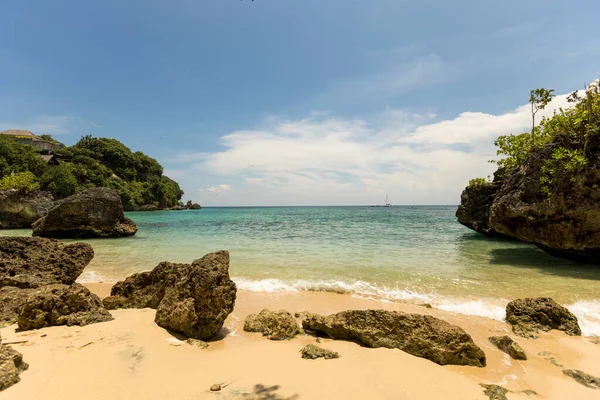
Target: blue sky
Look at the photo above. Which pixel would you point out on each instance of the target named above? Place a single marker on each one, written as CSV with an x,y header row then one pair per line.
x,y
280,102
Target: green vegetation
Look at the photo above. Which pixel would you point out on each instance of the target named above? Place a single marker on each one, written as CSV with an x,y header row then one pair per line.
x,y
24,182
479,183
91,162
567,134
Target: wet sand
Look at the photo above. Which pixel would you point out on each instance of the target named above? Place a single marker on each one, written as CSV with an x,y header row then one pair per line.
x,y
133,358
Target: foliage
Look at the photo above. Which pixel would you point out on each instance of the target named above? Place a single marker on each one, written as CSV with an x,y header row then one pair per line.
x,y
539,99
59,180
16,157
569,131
93,162
561,168
478,183
24,182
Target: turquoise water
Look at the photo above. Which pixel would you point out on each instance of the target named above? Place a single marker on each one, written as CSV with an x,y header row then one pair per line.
x,y
398,253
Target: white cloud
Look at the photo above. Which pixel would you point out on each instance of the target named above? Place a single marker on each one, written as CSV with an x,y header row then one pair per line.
x,y
217,189
328,160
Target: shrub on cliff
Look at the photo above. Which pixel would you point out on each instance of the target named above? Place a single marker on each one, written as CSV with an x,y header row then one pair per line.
x,y
24,182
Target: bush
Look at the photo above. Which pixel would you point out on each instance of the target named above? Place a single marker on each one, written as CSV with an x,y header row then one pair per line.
x,y
24,182
478,183
59,180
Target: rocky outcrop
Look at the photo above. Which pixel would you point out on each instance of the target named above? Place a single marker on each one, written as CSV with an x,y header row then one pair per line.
x,y
30,262
509,346
11,365
474,209
27,264
193,299
312,352
420,335
532,315
585,379
194,206
275,325
93,213
61,304
18,210
565,223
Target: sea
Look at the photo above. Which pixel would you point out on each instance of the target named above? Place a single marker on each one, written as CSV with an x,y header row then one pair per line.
x,y
417,254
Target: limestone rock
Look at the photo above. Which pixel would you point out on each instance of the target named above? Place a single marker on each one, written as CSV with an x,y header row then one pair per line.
x,y
11,365
193,299
566,224
192,206
420,335
509,346
275,325
93,213
197,343
28,263
474,208
312,352
18,210
531,315
585,379
60,304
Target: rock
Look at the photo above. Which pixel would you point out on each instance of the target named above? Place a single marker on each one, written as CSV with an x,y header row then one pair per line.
x,y
585,379
93,213
420,335
11,365
215,388
475,202
191,299
312,352
28,262
148,207
194,206
197,343
275,325
60,304
495,392
18,210
532,315
566,224
509,346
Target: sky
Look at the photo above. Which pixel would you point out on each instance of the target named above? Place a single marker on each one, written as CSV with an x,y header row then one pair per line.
x,y
282,102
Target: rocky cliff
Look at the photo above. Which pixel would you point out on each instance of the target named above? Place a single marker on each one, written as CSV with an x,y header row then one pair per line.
x,y
564,222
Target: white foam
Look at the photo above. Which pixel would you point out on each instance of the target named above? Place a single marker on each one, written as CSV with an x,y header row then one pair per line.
x,y
90,276
489,308
588,316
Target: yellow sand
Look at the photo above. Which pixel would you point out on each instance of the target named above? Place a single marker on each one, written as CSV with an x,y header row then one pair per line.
x,y
132,358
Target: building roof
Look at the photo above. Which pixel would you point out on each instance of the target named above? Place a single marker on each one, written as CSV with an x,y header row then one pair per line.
x,y
47,157
18,132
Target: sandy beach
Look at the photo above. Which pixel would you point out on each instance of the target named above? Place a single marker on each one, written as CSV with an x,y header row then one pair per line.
x,y
133,358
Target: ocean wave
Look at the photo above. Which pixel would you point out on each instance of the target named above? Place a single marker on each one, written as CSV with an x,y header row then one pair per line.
x,y
587,312
588,316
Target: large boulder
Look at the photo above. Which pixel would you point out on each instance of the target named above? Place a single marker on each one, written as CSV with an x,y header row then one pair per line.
x,y
93,213
61,304
11,365
532,315
565,224
275,325
30,262
420,335
19,210
193,299
475,202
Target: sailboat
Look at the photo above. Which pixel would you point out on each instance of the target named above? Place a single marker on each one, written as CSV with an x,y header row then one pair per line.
x,y
387,204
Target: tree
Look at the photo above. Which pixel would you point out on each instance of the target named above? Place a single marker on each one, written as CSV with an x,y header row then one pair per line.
x,y
24,182
59,180
539,99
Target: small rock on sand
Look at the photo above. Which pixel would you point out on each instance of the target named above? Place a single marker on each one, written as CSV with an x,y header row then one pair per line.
x,y
215,388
